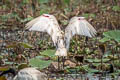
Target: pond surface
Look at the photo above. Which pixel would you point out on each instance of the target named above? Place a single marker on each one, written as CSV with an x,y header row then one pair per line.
x,y
9,36
82,77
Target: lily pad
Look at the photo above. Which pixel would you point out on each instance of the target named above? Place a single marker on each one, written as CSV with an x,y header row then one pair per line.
x,y
49,53
97,60
113,34
41,64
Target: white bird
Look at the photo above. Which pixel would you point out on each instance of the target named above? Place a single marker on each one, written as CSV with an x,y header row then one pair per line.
x,y
48,23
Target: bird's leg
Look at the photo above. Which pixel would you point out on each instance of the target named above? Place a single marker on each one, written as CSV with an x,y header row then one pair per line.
x,y
58,63
63,60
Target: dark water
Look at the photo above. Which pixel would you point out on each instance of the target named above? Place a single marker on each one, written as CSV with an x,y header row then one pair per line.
x,y
83,77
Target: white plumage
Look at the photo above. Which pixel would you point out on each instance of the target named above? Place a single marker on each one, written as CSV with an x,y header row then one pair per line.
x,y
45,23
79,26
48,23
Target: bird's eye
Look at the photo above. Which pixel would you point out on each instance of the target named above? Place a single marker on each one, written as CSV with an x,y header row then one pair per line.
x,y
81,18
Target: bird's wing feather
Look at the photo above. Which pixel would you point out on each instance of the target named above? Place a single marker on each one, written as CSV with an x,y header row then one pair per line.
x,y
79,26
45,23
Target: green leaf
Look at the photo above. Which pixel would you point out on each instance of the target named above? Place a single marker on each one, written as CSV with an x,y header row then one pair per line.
x,y
43,1
92,15
39,57
10,15
43,11
96,64
41,64
49,53
9,63
4,17
97,60
117,63
103,8
25,1
25,45
90,70
64,22
104,39
67,1
106,60
27,19
72,70
85,15
87,50
116,8
4,6
113,34
1,57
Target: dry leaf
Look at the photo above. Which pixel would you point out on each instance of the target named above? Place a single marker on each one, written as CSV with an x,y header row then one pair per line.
x,y
70,63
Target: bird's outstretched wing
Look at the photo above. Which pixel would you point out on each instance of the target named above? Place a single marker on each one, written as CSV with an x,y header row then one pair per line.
x,y
45,23
79,26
